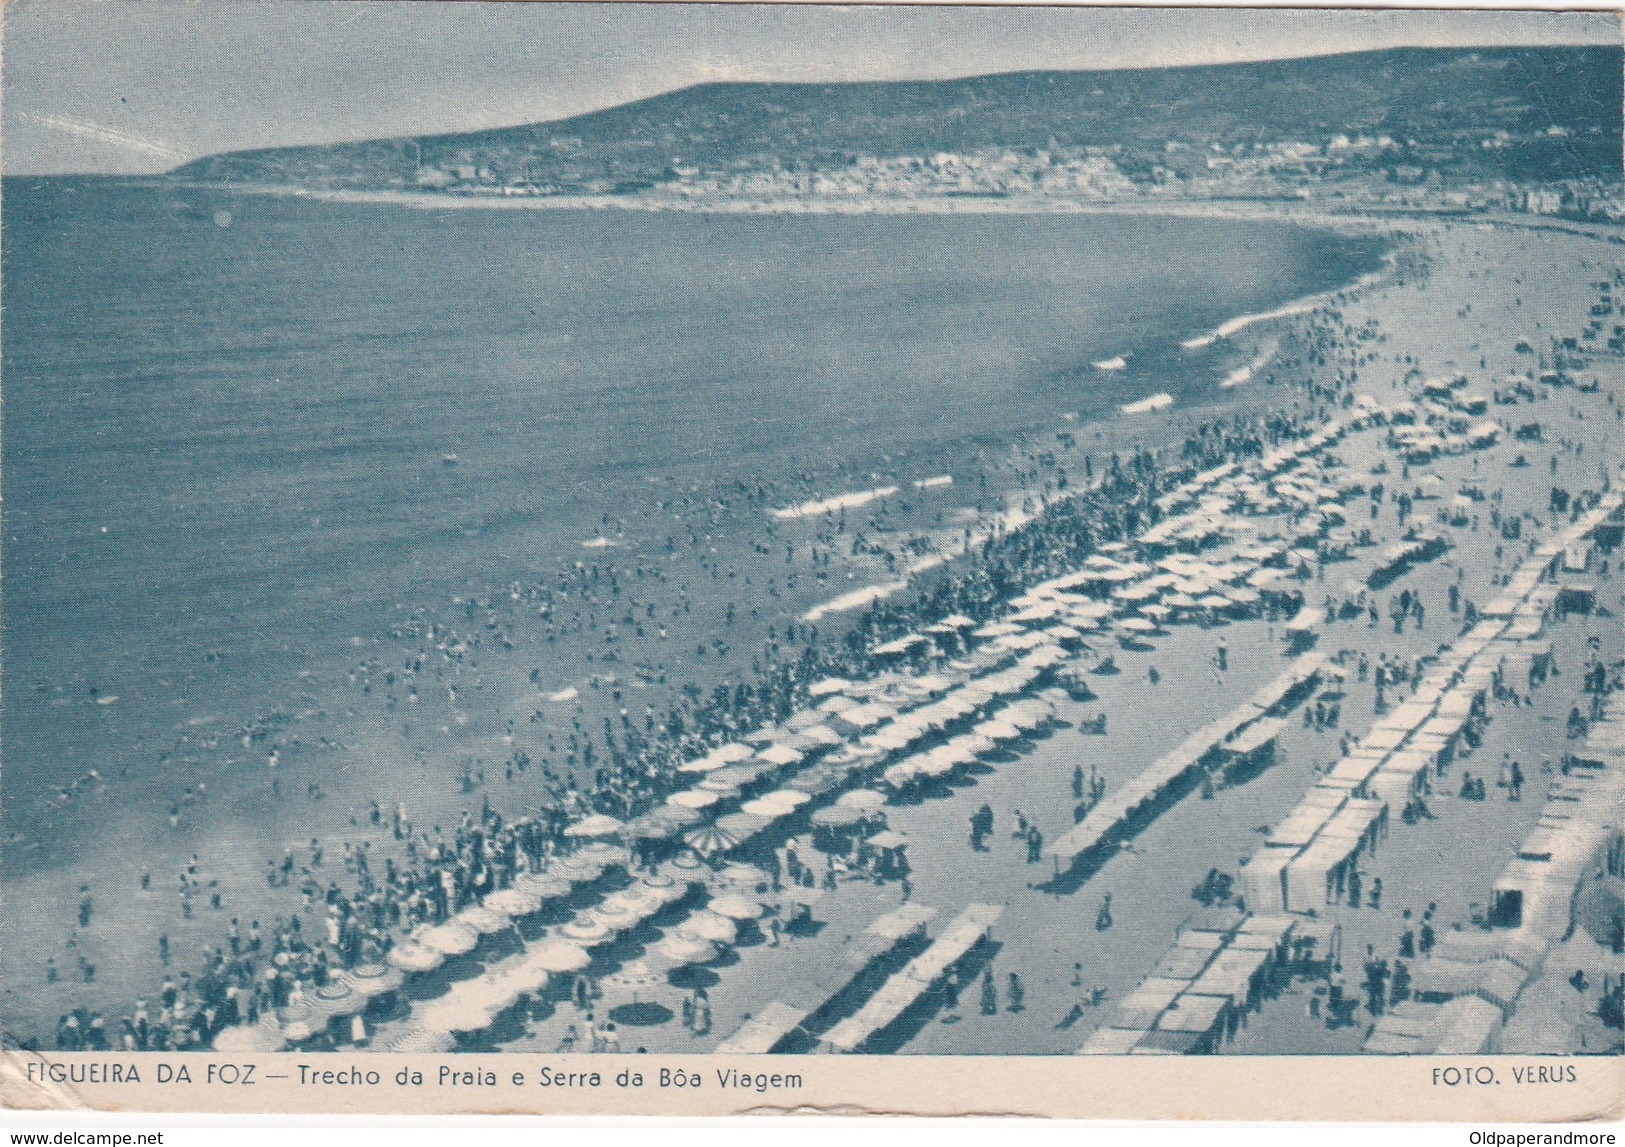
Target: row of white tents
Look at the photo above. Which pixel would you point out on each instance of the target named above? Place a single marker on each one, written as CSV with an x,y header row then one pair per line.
x,y
1300,863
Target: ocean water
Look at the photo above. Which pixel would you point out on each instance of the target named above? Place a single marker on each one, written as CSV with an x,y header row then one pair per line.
x,y
226,416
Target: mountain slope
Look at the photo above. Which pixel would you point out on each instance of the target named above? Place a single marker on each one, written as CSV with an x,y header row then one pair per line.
x,y
1522,113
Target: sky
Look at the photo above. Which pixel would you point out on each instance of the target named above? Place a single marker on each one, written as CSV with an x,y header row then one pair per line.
x,y
137,86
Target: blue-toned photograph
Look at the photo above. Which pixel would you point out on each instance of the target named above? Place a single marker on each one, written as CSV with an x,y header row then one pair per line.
x,y
588,528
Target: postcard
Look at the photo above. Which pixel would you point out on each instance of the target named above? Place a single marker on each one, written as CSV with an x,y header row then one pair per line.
x,y
680,559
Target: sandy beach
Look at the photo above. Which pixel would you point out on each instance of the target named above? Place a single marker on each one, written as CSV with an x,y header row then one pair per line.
x,y
495,704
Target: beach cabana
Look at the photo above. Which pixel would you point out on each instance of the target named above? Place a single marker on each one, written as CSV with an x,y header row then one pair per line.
x,y
763,1032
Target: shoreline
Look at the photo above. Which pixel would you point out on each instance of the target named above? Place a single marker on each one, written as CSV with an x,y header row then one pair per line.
x,y
1302,211
1120,432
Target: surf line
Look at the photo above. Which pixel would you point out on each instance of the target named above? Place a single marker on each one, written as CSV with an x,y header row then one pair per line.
x,y
1244,374
1242,322
833,505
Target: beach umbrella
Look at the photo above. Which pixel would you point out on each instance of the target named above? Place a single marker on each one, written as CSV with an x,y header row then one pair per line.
x,y
451,1015
788,799
867,799
694,799
738,874
725,790
542,885
513,902
717,758
577,869
250,1038
710,839
636,977
897,776
739,775
677,951
450,938
709,926
415,957
601,852
682,867
974,694
663,894
1213,601
586,930
939,762
742,825
422,1041
998,729
680,816
775,804
336,998
1143,625
375,979
597,825
820,735
490,992
974,743
843,816
482,920
527,977
659,880
557,956
523,977
661,823
735,907
300,1029
780,754
814,781
703,764
611,916
639,900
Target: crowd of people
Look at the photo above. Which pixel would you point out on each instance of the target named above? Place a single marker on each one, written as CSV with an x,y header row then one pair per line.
x,y
628,765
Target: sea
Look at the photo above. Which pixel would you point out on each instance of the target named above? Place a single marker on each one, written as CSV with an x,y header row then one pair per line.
x,y
242,432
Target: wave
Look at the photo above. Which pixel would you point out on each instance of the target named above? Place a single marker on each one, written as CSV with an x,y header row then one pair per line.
x,y
1244,374
1109,364
857,599
1242,322
833,505
1159,401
